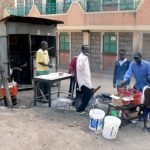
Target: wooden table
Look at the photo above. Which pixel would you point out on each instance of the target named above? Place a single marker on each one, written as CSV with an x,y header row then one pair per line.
x,y
50,79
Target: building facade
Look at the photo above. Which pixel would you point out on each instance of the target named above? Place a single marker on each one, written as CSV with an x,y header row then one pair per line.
x,y
5,4
105,25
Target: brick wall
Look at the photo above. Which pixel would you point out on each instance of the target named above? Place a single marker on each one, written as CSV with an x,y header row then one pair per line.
x,y
64,59
109,62
146,46
126,42
76,43
143,14
95,46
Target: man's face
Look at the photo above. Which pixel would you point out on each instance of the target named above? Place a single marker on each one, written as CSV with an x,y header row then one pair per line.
x,y
44,46
137,60
122,55
86,51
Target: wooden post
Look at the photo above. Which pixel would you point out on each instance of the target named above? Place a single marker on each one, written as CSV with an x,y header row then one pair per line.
x,y
5,84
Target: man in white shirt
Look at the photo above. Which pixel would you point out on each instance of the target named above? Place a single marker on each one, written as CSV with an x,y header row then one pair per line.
x,y
84,77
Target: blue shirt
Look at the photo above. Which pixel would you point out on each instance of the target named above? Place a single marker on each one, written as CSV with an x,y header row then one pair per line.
x,y
140,72
120,71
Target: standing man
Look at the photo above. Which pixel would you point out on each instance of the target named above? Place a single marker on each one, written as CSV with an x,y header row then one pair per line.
x,y
43,64
140,69
84,77
121,67
145,101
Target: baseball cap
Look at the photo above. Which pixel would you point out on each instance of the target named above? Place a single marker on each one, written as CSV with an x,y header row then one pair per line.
x,y
137,54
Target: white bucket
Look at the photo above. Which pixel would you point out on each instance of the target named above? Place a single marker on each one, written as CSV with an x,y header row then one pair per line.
x,y
96,119
111,126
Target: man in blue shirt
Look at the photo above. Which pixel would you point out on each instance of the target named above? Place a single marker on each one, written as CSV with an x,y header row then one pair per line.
x,y
140,69
121,67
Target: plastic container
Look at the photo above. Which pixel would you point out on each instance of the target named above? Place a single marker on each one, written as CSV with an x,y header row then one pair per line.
x,y
114,113
96,119
12,88
111,126
127,91
137,99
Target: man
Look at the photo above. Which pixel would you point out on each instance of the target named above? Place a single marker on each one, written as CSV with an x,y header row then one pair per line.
x,y
140,69
145,101
121,67
43,64
72,70
84,77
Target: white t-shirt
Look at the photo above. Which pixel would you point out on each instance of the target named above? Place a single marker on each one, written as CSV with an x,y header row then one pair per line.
x,y
122,61
83,71
143,97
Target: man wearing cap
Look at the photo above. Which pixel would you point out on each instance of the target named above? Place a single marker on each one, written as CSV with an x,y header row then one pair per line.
x,y
140,69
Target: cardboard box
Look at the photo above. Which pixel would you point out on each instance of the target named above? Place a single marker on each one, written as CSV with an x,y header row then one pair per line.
x,y
120,101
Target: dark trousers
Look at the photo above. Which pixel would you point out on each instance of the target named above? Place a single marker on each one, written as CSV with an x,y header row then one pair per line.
x,y
73,84
86,96
43,86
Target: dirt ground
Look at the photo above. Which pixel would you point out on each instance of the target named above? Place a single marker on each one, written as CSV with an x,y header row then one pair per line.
x,y
42,128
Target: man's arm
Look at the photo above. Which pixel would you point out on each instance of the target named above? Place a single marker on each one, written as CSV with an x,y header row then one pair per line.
x,y
143,95
148,69
47,65
114,76
129,73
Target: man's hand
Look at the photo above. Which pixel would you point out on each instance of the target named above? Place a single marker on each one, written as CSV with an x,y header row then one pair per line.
x,y
51,65
122,83
114,85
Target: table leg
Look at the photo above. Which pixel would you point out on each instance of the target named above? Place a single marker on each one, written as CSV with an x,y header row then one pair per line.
x,y
49,95
35,92
108,110
58,94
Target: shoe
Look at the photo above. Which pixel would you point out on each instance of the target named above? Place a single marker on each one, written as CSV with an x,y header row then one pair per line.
x,y
145,129
148,129
73,103
69,97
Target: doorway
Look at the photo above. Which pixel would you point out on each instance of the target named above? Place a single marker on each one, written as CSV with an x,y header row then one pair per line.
x,y
109,50
19,56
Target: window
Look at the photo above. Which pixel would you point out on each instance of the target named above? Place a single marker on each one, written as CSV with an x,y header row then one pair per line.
x,y
110,43
126,4
29,2
64,41
110,2
20,2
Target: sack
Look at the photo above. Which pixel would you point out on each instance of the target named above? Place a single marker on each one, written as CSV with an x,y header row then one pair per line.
x,y
80,103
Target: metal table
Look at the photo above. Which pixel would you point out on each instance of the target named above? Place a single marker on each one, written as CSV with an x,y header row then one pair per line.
x,y
50,79
122,108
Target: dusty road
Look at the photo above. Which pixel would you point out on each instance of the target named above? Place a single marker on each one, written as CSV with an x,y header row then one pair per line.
x,y
43,128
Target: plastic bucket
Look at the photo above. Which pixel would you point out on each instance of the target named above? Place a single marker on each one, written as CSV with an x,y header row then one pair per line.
x,y
111,126
96,119
114,113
